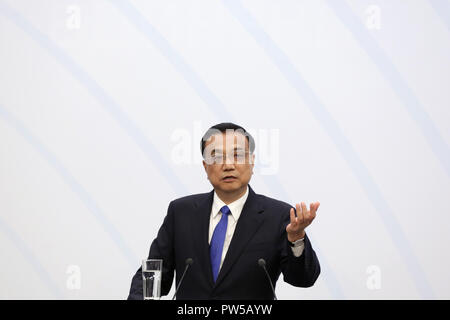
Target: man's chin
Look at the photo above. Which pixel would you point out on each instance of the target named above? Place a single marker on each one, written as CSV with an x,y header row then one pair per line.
x,y
231,186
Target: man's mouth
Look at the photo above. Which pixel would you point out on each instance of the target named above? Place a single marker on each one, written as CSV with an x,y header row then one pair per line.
x,y
229,178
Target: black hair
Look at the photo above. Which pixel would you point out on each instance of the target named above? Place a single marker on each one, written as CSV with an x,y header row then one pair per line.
x,y
223,127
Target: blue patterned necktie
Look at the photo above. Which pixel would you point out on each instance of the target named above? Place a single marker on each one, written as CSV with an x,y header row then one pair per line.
x,y
217,240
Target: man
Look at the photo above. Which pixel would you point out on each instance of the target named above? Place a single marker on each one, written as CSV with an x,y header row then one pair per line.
x,y
228,230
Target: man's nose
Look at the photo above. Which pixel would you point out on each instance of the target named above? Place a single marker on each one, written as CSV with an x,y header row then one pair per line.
x,y
229,163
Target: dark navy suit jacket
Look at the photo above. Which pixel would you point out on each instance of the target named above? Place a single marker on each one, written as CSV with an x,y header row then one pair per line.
x,y
260,233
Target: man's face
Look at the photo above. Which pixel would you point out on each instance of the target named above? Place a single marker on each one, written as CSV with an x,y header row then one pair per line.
x,y
228,162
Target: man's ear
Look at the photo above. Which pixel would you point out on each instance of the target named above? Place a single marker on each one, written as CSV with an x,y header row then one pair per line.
x,y
253,160
204,166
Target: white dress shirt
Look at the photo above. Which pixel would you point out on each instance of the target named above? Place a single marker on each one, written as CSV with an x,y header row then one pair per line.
x,y
235,209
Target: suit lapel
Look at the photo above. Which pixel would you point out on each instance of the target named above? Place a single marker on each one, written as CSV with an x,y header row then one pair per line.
x,y
246,227
200,226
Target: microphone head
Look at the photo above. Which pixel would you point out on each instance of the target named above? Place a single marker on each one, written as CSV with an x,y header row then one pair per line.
x,y
189,261
262,262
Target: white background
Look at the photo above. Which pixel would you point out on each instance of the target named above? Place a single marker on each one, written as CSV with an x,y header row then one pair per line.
x,y
98,97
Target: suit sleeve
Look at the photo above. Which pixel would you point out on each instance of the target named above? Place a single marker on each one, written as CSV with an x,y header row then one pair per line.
x,y
161,248
300,271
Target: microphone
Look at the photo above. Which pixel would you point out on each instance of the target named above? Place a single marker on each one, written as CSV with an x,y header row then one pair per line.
x,y
262,264
188,263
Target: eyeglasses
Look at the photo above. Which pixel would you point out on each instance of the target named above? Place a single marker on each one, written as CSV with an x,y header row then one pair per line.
x,y
219,158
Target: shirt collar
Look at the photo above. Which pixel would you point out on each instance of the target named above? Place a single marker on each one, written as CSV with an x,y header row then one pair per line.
x,y
235,207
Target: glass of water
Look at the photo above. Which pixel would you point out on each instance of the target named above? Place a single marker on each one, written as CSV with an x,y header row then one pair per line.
x,y
151,277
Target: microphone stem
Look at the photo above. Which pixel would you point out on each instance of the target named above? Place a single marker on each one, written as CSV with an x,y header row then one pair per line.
x,y
270,281
179,283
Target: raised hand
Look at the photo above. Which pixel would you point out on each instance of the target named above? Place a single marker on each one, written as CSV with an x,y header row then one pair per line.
x,y
296,228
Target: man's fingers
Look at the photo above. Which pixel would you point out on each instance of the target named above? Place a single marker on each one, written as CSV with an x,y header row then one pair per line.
x,y
292,215
317,204
299,213
305,212
301,217
313,208
309,216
